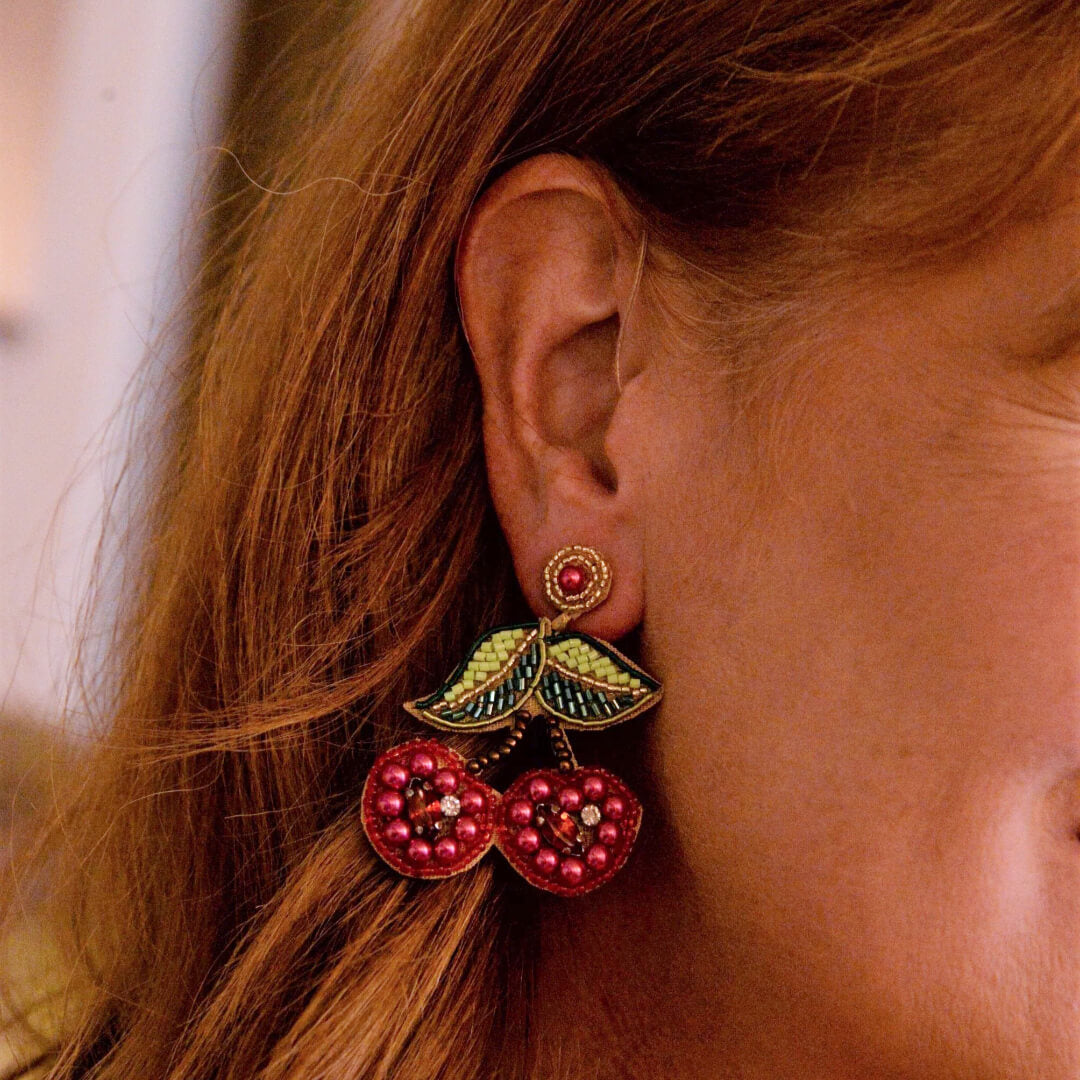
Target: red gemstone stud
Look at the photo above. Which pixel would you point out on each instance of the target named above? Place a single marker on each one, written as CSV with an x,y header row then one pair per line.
x,y
572,579
567,832
424,814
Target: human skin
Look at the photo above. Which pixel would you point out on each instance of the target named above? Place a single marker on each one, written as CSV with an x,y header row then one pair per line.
x,y
860,588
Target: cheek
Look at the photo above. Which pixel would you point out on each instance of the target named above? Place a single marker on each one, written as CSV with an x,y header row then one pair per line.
x,y
871,742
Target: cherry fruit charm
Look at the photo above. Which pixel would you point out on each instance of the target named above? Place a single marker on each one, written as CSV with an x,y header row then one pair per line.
x,y
424,814
567,832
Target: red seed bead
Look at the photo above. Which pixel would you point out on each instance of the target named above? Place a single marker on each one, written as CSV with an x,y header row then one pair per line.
x,y
528,840
570,799
397,832
608,833
539,789
520,812
472,801
597,857
445,781
394,776
419,851
446,850
390,803
546,860
614,807
572,578
466,829
422,764
572,871
594,788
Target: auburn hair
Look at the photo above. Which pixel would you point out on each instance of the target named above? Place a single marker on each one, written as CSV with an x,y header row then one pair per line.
x,y
321,546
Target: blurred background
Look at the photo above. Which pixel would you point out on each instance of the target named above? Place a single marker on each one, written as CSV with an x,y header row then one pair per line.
x,y
114,180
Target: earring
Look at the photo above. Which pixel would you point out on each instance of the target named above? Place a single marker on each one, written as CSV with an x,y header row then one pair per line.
x,y
568,829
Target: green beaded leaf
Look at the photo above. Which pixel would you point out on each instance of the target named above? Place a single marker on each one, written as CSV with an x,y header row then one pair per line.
x,y
588,684
499,674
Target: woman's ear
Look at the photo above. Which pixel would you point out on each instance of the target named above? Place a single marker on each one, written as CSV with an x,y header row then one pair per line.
x,y
547,271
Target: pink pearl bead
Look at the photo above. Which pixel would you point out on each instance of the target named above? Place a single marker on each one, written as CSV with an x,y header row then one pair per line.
x,y
594,788
570,799
445,782
608,833
422,764
520,812
597,857
397,832
472,801
546,860
394,776
390,803
572,871
466,829
614,808
446,850
539,789
571,578
419,851
528,840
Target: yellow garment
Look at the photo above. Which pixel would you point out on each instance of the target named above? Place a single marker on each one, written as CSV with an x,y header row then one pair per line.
x,y
34,985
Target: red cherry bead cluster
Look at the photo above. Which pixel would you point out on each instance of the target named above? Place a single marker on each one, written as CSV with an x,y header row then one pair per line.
x,y
424,814
568,833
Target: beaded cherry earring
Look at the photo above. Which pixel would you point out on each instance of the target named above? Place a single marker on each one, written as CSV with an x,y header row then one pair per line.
x,y
567,830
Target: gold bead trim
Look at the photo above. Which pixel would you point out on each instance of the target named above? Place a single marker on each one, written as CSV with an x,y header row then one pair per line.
x,y
597,579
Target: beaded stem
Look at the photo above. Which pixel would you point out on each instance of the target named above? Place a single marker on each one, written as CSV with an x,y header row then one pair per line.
x,y
505,748
560,745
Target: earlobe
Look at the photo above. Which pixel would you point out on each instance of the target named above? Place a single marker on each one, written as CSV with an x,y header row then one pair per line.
x,y
545,273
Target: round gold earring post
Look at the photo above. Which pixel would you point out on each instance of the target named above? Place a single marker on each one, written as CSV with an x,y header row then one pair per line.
x,y
577,579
